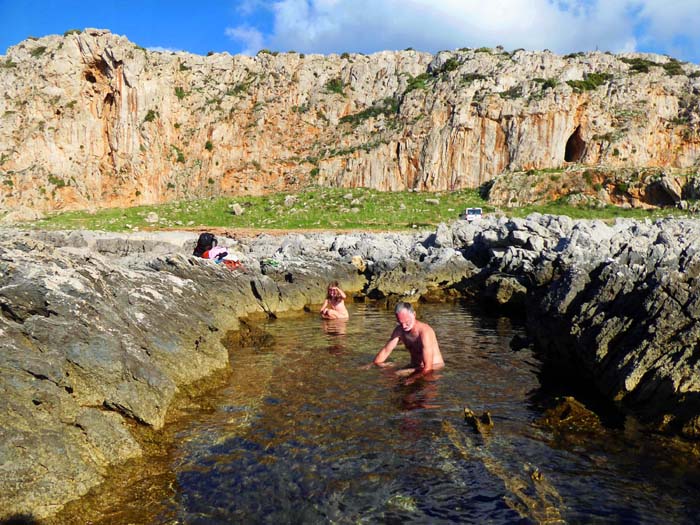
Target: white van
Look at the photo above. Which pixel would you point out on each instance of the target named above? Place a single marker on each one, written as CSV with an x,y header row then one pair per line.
x,y
471,214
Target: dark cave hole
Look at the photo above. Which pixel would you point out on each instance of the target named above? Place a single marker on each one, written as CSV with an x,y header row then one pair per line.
x,y
575,147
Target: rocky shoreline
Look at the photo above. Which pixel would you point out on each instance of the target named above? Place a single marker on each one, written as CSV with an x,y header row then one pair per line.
x,y
101,331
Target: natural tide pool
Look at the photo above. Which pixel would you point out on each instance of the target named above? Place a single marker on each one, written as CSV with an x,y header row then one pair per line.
x,y
302,434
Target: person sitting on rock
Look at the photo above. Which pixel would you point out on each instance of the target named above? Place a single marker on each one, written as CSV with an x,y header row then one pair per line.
x,y
334,305
205,242
207,248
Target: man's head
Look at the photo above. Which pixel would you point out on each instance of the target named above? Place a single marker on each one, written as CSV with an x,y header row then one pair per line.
x,y
405,316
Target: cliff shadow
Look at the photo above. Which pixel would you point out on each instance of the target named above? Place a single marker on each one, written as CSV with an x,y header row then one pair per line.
x,y
20,519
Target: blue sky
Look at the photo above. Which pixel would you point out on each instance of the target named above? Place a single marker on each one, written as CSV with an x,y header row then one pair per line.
x,y
336,26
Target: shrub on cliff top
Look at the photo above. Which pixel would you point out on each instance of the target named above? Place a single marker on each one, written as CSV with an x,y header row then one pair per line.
x,y
673,67
450,65
38,51
590,82
468,78
180,156
621,187
639,65
57,181
240,88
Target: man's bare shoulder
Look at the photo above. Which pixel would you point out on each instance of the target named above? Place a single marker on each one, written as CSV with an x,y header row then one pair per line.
x,y
398,332
424,328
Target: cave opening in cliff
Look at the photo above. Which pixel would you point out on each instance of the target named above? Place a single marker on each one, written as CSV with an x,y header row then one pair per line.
x,y
575,147
98,69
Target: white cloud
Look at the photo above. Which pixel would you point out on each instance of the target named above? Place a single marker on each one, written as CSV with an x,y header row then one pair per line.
x,y
251,38
669,19
563,26
248,7
671,26
160,49
368,25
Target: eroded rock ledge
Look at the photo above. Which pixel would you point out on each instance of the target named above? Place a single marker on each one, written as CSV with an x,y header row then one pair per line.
x,y
100,331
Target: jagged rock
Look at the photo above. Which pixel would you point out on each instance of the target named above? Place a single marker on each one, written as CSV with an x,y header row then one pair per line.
x,y
691,190
358,263
570,416
505,290
481,424
672,187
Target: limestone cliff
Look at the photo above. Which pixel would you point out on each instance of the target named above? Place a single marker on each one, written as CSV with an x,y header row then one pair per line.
x,y
89,119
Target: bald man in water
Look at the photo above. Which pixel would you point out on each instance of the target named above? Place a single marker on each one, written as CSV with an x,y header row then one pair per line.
x,y
419,338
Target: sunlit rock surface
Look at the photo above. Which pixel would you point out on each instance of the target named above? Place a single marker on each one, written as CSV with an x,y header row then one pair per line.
x,y
89,119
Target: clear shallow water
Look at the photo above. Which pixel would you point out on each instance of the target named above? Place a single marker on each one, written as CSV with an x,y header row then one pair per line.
x,y
302,434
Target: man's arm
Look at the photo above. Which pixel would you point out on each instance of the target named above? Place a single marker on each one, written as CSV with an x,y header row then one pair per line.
x,y
386,350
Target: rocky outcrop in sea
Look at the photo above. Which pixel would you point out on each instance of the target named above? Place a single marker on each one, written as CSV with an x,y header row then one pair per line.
x,y
102,331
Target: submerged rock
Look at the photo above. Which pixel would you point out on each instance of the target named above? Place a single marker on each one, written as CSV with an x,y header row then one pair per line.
x,y
481,424
570,416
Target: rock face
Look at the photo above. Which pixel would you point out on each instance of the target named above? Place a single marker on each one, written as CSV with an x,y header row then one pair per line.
x,y
615,306
101,331
597,187
91,120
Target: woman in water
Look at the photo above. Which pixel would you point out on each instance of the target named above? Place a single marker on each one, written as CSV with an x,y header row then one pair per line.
x,y
334,305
